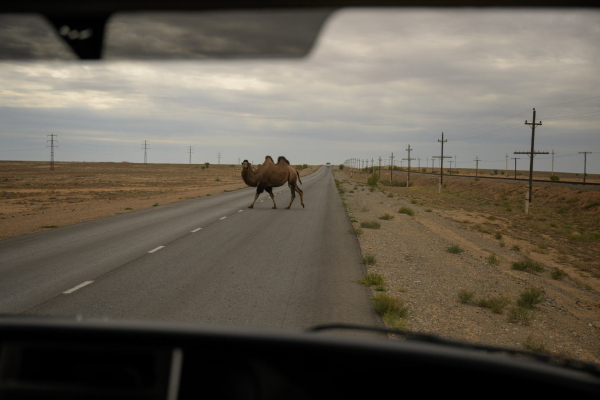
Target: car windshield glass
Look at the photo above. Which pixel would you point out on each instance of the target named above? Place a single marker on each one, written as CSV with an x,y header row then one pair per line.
x,y
436,171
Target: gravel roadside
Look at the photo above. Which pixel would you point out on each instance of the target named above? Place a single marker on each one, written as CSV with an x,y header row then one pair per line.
x,y
412,258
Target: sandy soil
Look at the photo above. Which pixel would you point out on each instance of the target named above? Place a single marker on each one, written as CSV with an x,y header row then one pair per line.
x,y
33,198
483,218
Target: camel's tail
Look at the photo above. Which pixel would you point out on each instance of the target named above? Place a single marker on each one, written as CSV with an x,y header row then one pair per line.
x,y
298,173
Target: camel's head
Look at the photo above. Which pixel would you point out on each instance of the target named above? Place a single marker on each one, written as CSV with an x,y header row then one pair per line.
x,y
245,164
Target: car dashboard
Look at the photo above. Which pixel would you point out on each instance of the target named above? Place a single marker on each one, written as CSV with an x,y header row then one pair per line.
x,y
69,359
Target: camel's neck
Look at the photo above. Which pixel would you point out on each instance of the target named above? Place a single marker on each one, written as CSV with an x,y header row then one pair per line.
x,y
250,177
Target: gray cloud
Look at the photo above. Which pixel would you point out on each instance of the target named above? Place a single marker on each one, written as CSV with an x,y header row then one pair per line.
x,y
376,81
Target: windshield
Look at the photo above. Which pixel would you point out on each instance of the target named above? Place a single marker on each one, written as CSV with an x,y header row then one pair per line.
x,y
385,179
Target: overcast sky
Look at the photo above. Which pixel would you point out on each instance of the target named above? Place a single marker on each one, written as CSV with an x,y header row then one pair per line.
x,y
376,81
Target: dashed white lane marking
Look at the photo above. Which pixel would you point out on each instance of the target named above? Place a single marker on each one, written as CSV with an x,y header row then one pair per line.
x,y
240,210
77,287
261,201
223,218
156,249
196,230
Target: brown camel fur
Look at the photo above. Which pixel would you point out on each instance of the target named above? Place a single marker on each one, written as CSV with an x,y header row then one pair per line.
x,y
270,175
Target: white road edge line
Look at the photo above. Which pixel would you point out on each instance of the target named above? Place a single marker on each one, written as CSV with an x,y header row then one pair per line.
x,y
78,287
223,218
196,230
156,249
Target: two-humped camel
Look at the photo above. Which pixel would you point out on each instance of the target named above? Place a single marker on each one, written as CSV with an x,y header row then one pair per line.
x,y
270,175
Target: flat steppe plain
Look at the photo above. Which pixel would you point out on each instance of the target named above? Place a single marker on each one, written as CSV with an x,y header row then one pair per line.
x,y
34,198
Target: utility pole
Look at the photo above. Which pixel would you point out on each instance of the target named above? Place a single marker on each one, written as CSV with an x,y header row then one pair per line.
x,y
419,161
585,153
427,164
450,166
531,153
552,161
408,159
506,171
442,159
372,166
145,152
455,164
219,157
52,146
476,165
515,165
191,151
379,167
392,168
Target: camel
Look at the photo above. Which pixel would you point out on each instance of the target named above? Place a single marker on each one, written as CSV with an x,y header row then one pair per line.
x,y
270,175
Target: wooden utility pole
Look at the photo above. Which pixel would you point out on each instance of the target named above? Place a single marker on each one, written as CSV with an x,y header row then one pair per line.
x,y
515,165
408,159
419,161
392,168
476,165
52,146
379,167
531,153
450,166
506,171
191,151
219,157
585,153
552,161
442,159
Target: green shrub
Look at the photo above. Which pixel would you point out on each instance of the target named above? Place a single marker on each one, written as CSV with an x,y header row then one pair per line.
x,y
341,166
370,225
407,211
532,345
372,279
465,296
496,304
454,249
530,297
554,178
558,274
372,181
527,266
493,259
391,309
369,259
520,314
386,217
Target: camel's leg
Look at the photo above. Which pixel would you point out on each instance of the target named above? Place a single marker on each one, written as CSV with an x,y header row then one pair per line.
x,y
301,197
270,191
293,195
259,190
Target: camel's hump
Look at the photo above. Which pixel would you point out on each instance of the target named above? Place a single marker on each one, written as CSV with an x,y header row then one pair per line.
x,y
282,158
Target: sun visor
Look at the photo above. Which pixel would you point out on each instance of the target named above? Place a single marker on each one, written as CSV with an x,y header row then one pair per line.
x,y
167,35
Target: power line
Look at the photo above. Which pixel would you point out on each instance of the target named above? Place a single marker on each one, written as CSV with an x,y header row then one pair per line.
x,y
589,114
569,102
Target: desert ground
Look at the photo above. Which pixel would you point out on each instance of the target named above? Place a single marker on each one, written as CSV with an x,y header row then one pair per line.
x,y
486,220
34,198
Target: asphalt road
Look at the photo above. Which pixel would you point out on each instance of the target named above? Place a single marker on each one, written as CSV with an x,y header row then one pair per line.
x,y
208,260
